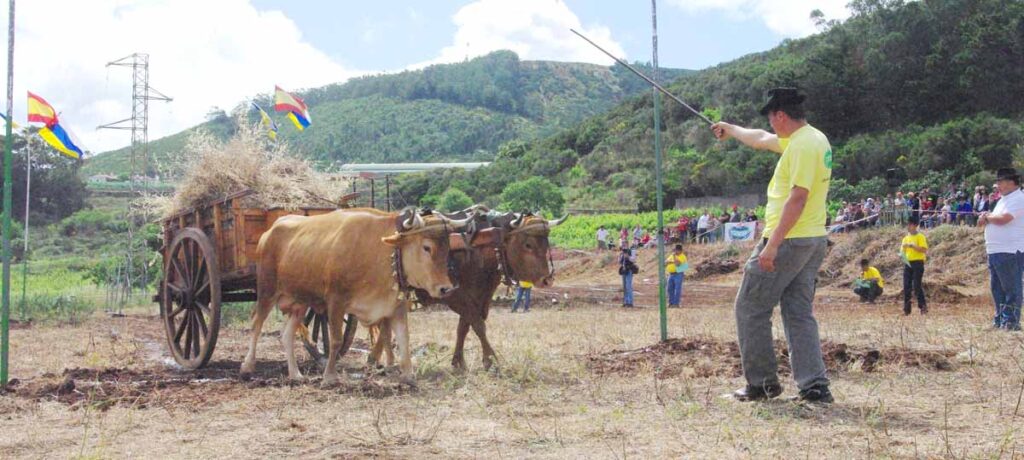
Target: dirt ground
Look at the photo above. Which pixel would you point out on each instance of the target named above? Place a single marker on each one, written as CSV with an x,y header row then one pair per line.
x,y
579,377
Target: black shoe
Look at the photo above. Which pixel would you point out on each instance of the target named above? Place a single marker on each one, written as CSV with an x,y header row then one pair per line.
x,y
758,392
818,395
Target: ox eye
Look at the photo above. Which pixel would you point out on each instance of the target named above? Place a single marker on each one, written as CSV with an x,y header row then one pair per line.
x,y
426,249
529,246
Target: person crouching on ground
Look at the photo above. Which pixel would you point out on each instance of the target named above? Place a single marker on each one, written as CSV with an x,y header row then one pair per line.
x,y
627,268
914,253
783,267
869,285
523,290
675,266
1004,244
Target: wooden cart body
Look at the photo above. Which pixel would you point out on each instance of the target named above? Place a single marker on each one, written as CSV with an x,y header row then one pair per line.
x,y
210,256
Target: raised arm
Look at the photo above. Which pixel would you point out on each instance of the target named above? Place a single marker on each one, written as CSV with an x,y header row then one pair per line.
x,y
756,138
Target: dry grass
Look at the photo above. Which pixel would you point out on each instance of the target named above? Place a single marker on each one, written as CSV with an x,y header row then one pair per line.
x,y
545,401
211,169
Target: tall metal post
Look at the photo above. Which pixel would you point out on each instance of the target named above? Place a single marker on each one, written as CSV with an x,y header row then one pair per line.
x,y
662,310
28,194
387,191
373,201
5,308
138,124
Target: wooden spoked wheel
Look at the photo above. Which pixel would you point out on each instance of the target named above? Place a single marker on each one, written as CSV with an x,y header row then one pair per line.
x,y
320,333
190,298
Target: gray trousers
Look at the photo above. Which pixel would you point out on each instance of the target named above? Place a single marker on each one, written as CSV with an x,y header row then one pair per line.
x,y
792,286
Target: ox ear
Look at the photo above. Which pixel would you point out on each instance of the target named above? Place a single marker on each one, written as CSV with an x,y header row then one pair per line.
x,y
392,240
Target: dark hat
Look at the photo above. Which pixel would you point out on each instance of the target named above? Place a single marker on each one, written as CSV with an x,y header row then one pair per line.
x,y
782,97
914,220
1008,174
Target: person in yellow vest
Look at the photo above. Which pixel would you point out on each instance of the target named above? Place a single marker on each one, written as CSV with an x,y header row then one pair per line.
x,y
869,285
523,295
914,252
675,266
782,268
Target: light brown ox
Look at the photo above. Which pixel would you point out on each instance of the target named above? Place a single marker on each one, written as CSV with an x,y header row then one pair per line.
x,y
341,263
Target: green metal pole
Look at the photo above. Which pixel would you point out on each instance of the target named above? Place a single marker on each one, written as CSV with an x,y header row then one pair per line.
x,y
28,194
662,308
5,309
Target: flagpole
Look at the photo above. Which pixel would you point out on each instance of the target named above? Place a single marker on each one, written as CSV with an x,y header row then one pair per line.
x,y
28,194
5,301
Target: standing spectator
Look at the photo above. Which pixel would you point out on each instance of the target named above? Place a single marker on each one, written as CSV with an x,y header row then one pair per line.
x,y
735,217
675,265
964,212
914,205
627,268
602,237
683,225
914,253
947,212
751,216
523,290
869,285
623,238
899,208
713,224
1004,244
638,232
702,227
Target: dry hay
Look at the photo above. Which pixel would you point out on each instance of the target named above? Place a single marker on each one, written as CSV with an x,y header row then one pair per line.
x,y
211,169
712,267
956,260
706,357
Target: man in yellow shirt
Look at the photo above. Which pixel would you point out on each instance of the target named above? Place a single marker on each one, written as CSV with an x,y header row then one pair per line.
x,y
523,295
914,252
675,266
783,266
869,285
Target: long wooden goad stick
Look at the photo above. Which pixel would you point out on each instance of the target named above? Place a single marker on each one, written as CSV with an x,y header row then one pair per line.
x,y
645,77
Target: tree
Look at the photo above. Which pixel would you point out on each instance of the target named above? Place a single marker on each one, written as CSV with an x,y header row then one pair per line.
x,y
453,200
57,190
533,194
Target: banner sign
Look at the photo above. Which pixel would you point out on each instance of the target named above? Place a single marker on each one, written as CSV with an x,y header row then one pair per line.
x,y
740,231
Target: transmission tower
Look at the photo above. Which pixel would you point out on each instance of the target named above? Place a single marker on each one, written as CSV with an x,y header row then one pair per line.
x,y
138,124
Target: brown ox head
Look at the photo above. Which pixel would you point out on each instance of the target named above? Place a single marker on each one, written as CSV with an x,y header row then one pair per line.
x,y
423,244
526,248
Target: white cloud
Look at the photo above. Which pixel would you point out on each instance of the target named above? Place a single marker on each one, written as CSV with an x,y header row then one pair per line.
x,y
789,18
202,53
534,29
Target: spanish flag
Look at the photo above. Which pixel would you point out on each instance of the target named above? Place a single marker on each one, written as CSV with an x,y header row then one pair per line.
x,y
298,113
40,111
267,122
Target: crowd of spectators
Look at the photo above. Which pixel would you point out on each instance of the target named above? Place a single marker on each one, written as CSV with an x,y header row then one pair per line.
x,y
957,204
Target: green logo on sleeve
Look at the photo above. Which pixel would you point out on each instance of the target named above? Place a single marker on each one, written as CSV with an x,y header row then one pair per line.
x,y
828,158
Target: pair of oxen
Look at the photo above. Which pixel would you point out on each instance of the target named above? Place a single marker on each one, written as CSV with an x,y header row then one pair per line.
x,y
369,265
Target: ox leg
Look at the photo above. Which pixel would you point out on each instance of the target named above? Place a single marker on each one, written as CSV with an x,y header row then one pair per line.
x,y
288,341
480,328
400,323
380,338
259,315
336,324
458,359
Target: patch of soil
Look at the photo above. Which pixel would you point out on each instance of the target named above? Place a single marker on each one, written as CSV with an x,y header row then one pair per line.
x,y
703,358
165,388
712,267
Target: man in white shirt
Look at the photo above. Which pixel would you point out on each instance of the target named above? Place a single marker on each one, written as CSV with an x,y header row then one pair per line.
x,y
1004,243
702,227
602,238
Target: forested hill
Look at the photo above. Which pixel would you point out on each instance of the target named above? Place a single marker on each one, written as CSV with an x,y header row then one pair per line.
x,y
934,86
450,112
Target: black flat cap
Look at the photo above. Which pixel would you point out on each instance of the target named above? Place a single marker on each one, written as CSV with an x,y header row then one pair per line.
x,y
1008,174
782,97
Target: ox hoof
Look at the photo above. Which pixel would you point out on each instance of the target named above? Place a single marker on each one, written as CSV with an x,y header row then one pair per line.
x,y
247,368
297,378
330,380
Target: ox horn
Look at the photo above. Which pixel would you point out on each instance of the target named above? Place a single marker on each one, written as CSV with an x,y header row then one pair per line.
x,y
557,222
518,220
413,222
456,224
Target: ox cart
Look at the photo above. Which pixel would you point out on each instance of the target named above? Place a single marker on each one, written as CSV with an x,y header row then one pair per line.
x,y
209,255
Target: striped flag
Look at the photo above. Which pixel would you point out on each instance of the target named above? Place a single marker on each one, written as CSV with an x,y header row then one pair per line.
x,y
267,122
59,137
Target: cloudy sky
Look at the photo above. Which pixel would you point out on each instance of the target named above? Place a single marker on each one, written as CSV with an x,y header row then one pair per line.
x,y
216,53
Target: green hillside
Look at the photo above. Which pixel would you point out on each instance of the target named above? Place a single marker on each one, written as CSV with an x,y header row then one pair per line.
x,y
931,86
449,112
